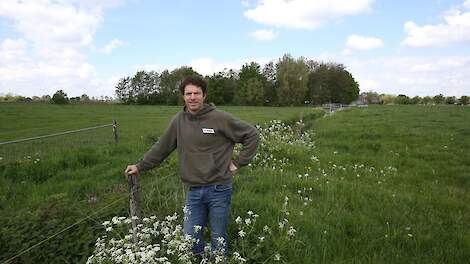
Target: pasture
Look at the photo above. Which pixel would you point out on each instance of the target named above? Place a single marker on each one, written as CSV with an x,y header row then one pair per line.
x,y
385,184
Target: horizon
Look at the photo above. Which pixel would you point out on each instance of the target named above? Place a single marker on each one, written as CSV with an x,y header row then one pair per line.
x,y
82,47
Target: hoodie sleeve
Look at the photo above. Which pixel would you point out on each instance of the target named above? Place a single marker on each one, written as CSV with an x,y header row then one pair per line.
x,y
241,132
160,150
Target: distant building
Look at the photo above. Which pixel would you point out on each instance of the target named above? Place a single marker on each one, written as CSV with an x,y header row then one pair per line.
x,y
368,98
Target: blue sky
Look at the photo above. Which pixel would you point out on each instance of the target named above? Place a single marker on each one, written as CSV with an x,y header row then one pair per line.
x,y
85,46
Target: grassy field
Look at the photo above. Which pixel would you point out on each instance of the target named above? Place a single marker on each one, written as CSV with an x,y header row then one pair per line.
x,y
386,184
77,175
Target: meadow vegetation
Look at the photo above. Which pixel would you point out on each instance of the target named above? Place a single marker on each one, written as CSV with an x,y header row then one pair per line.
x,y
384,184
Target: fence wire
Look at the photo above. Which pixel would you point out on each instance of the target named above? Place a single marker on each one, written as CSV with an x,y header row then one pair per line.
x,y
35,149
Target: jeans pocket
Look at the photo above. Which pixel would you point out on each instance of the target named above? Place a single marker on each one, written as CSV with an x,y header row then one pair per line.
x,y
222,187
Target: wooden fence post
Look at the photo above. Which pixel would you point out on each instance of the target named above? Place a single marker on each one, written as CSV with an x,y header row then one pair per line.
x,y
115,131
134,204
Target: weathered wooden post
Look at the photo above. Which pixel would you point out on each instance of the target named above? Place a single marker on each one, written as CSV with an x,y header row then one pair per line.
x,y
134,204
115,131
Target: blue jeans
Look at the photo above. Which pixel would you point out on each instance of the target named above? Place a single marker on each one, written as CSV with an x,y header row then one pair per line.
x,y
211,202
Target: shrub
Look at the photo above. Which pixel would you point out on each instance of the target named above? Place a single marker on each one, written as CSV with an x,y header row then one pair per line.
x,y
60,97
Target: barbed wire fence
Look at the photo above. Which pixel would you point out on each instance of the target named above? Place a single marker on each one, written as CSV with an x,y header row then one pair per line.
x,y
37,148
46,146
54,144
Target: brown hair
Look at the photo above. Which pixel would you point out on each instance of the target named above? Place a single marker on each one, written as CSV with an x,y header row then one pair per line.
x,y
194,80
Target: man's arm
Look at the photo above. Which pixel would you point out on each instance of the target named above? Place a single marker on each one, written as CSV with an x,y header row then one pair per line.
x,y
157,153
241,132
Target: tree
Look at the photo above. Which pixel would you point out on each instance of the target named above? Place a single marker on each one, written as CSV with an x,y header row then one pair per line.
x,y
387,98
438,99
415,100
60,97
318,85
402,99
84,98
463,100
221,87
292,77
216,84
331,83
152,83
270,89
344,89
250,89
74,99
450,100
426,100
230,84
124,91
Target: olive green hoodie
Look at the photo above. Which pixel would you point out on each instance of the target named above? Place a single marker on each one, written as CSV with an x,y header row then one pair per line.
x,y
204,143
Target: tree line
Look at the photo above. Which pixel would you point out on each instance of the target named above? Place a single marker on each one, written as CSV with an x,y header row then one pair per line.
x,y
289,81
59,97
375,98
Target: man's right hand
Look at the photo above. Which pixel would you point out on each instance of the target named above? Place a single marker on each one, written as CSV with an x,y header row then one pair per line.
x,y
131,169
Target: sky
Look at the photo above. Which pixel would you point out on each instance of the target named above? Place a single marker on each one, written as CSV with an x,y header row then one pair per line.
x,y
419,47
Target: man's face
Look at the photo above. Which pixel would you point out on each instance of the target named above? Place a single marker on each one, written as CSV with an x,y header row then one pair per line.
x,y
193,98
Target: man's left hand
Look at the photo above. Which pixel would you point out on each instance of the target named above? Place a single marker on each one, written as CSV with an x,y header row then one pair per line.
x,y
232,167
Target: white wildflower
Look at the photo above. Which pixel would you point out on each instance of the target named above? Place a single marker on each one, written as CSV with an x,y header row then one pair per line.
x,y
197,228
291,231
220,241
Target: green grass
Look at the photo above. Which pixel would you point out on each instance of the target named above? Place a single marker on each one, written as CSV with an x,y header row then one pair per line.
x,y
71,177
391,184
29,120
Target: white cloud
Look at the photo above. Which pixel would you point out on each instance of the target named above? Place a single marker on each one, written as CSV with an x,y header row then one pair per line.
x,y
369,85
245,3
346,52
46,22
86,71
304,14
208,66
363,43
440,65
111,45
264,35
455,30
52,50
466,4
12,50
412,75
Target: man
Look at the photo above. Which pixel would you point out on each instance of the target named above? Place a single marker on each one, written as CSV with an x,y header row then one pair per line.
x,y
204,138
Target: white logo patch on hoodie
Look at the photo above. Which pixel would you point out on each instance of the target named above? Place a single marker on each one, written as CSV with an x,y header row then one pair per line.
x,y
208,131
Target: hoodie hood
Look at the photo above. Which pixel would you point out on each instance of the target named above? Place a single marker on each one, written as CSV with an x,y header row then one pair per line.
x,y
205,109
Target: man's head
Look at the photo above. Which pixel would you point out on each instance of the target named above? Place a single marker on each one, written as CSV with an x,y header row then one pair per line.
x,y
194,91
